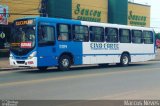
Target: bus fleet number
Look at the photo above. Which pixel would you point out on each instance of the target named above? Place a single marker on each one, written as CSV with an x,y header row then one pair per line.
x,y
63,46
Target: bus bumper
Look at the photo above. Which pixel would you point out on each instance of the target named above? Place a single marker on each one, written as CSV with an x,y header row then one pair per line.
x,y
23,63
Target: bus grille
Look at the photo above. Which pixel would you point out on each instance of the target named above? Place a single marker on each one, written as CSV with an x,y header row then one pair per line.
x,y
20,62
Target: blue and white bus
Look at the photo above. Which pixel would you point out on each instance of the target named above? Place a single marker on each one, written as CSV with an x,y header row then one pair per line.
x,y
45,42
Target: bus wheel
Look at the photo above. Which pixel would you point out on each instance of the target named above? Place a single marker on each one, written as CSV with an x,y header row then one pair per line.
x,y
64,63
42,68
125,59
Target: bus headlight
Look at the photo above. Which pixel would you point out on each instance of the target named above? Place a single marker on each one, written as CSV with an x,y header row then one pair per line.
x,y
11,56
32,55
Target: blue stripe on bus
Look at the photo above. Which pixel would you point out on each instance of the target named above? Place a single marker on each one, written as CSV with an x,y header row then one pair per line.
x,y
117,54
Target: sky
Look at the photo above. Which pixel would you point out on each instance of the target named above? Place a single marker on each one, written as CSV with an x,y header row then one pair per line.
x,y
155,12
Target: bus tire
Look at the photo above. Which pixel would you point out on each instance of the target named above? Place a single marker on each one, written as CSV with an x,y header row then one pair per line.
x,y
64,63
42,68
125,59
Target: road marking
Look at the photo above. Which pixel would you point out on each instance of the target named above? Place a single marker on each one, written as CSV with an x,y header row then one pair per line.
x,y
5,72
14,71
10,72
72,77
114,95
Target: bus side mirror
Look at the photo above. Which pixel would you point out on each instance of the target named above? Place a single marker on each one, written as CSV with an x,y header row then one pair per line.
x,y
39,28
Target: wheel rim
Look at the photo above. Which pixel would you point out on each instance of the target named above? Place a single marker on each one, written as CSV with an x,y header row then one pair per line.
x,y
65,62
125,60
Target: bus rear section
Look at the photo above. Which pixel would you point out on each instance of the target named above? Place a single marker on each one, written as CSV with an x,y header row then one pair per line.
x,y
121,44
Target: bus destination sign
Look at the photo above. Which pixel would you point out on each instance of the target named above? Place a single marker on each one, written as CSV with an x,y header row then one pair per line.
x,y
24,22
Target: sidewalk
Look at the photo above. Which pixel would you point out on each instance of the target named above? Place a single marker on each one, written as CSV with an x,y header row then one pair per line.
x,y
4,53
4,62
158,55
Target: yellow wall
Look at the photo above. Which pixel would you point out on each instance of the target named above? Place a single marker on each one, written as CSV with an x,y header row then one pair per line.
x,y
138,15
21,7
90,10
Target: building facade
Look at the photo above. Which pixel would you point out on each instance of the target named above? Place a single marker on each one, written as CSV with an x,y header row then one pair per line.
x,y
107,11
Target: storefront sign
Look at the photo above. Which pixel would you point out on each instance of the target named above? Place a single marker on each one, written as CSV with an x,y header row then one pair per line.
x,y
90,10
3,15
87,14
137,20
138,15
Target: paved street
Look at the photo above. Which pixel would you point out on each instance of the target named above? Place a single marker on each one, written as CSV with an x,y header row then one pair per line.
x,y
137,81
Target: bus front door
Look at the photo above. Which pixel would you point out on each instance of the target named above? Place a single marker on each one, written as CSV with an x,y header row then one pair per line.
x,y
46,48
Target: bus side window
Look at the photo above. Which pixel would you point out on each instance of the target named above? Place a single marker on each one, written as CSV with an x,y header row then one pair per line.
x,y
111,35
46,35
137,36
63,31
97,34
80,33
124,36
148,37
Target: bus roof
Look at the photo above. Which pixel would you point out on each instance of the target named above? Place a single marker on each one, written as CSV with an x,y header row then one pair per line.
x,y
72,21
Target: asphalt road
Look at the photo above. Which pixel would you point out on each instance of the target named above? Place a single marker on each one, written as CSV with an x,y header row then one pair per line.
x,y
137,81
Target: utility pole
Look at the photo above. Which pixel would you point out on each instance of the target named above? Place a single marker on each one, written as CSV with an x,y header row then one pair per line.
x,y
43,9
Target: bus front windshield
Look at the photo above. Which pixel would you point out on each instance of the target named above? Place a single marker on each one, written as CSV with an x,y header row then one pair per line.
x,y
23,39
